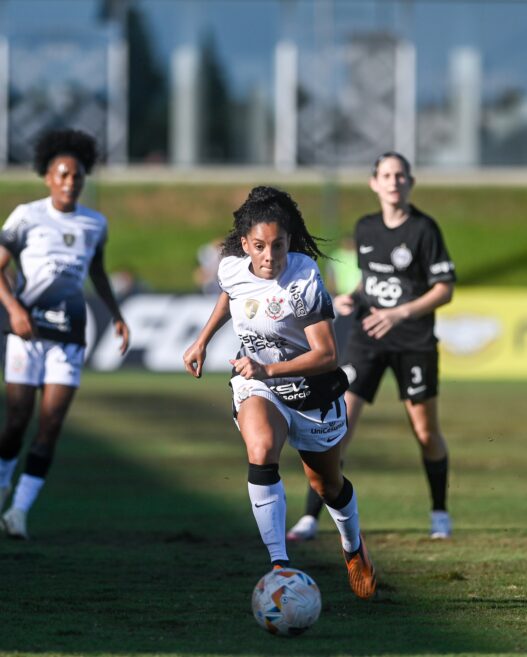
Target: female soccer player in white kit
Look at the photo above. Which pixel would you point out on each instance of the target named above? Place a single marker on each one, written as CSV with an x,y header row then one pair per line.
x,y
55,243
285,384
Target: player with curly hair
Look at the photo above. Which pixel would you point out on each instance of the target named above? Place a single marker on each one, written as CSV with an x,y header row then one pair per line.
x,y
285,381
55,244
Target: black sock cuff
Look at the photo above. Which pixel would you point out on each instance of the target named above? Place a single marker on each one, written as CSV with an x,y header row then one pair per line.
x,y
344,497
436,467
10,452
38,462
263,475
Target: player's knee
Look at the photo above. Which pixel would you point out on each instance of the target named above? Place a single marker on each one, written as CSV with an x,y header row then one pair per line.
x,y
317,486
14,428
13,435
426,436
262,454
327,489
432,442
50,425
18,417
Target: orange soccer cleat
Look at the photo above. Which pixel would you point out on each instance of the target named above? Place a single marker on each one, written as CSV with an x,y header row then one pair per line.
x,y
361,572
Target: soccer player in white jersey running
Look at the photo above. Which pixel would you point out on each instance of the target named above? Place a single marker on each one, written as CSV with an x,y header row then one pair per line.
x,y
406,274
55,243
285,384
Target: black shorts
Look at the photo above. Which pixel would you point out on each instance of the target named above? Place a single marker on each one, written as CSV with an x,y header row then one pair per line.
x,y
416,373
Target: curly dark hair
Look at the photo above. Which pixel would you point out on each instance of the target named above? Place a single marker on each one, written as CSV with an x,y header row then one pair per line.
x,y
269,205
76,143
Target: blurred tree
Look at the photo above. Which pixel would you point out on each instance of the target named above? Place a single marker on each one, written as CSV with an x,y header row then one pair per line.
x,y
218,109
147,85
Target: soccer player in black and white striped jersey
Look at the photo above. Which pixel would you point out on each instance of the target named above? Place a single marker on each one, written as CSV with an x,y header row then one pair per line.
x,y
286,384
406,274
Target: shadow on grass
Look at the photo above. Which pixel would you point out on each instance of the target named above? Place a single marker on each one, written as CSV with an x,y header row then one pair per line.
x,y
127,559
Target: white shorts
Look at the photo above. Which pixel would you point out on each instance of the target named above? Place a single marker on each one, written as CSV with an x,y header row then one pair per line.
x,y
35,362
307,431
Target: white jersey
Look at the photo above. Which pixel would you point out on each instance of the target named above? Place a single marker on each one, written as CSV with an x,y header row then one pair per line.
x,y
53,251
269,316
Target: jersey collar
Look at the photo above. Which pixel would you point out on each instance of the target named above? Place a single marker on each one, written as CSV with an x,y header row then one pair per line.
x,y
57,214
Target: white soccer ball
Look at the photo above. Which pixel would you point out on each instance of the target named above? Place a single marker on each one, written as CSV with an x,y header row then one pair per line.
x,y
286,602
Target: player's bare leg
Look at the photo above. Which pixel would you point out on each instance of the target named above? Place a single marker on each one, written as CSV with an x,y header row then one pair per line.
x,y
20,402
264,431
54,404
424,421
307,526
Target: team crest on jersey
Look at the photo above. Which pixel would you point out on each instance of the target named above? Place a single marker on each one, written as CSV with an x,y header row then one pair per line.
x,y
401,257
69,239
274,309
251,307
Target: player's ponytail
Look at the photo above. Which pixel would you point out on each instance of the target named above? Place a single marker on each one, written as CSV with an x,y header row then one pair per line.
x,y
270,205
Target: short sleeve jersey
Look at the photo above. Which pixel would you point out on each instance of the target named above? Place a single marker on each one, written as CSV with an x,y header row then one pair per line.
x,y
53,251
269,316
399,265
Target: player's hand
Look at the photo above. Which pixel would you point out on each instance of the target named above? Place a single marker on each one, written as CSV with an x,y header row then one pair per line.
x,y
343,304
194,357
122,331
21,324
381,321
248,368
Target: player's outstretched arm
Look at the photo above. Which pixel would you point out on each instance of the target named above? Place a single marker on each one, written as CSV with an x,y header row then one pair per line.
x,y
102,286
195,355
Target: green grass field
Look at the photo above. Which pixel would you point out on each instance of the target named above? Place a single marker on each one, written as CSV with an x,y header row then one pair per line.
x,y
144,542
156,229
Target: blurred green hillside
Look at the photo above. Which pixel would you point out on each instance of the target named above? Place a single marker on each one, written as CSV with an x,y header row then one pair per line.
x,y
155,229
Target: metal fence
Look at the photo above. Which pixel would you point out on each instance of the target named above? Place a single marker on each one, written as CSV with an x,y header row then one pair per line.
x,y
282,83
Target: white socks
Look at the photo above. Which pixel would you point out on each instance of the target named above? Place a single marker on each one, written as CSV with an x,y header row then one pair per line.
x,y
347,521
268,505
26,492
6,472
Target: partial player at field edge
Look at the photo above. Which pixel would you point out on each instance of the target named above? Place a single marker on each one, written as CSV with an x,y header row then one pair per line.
x,y
55,244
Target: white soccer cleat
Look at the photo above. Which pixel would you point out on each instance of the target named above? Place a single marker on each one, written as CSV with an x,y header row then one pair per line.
x,y
14,523
304,530
441,525
4,494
